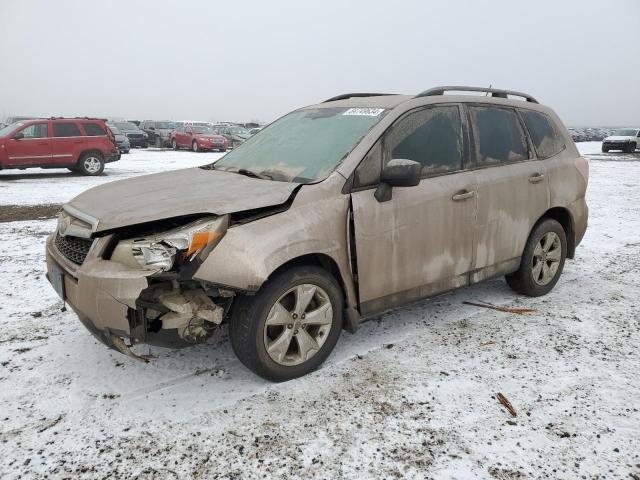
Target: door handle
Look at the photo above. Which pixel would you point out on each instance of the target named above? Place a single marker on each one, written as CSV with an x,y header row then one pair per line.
x,y
538,177
464,195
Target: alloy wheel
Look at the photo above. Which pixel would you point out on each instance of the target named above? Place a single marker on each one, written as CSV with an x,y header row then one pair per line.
x,y
298,324
92,164
546,258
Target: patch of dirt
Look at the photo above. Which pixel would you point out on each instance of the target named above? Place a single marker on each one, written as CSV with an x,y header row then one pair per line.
x,y
17,213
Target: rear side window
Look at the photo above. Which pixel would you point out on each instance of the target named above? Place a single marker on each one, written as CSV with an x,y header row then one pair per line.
x,y
432,137
37,130
66,130
93,129
498,136
545,137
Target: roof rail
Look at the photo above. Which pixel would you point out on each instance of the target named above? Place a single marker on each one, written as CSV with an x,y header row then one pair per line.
x,y
77,118
352,95
495,92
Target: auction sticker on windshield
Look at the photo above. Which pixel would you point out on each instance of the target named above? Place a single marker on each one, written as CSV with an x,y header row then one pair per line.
x,y
368,112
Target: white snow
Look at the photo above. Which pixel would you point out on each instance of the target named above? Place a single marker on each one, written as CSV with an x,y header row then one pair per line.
x,y
38,186
411,395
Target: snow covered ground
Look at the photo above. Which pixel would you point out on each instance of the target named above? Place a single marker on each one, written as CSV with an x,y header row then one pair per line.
x,y
411,395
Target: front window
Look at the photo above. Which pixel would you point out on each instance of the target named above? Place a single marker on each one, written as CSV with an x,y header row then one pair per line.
x,y
126,126
198,129
36,130
625,132
238,131
303,146
165,125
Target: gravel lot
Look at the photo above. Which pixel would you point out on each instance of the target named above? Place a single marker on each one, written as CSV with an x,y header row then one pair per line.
x,y
411,395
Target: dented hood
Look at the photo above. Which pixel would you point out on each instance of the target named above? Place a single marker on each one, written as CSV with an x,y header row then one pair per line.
x,y
172,194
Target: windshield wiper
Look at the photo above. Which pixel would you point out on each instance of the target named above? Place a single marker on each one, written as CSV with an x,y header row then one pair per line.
x,y
249,173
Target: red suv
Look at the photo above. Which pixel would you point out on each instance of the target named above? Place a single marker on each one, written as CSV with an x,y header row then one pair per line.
x,y
79,144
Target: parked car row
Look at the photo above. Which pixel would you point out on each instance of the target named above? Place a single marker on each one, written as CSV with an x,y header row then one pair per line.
x,y
589,134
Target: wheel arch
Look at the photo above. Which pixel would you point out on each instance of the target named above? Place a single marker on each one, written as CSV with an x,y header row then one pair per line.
x,y
563,217
89,151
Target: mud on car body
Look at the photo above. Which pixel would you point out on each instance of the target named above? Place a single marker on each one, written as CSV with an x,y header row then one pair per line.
x,y
333,213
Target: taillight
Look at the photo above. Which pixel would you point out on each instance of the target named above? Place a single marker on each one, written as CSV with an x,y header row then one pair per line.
x,y
583,167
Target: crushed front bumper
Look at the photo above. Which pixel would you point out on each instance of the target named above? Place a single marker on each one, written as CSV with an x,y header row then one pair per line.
x,y
102,293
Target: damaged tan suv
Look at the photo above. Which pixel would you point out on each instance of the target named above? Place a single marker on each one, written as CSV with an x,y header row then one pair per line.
x,y
333,213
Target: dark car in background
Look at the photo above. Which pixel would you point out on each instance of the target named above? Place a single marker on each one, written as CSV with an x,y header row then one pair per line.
x,y
235,134
198,138
159,132
122,141
137,138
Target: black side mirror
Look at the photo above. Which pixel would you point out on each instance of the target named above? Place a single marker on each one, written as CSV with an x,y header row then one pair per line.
x,y
18,136
397,173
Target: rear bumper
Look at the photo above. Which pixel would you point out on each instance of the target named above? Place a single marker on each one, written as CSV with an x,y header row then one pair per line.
x,y
113,157
580,215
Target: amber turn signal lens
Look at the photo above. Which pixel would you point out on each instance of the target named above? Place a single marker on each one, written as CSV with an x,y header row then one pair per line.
x,y
201,240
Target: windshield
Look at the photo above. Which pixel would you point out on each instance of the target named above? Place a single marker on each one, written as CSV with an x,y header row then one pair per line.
x,y
625,132
199,129
239,130
126,126
166,125
115,130
10,128
303,146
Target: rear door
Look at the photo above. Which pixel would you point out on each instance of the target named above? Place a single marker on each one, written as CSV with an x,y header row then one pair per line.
x,y
67,142
420,242
30,145
513,188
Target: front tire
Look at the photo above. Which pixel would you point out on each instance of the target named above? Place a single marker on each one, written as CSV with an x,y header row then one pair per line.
x,y
174,144
630,148
91,164
290,326
605,150
542,261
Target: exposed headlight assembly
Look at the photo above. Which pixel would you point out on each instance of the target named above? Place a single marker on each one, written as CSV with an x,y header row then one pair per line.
x,y
159,251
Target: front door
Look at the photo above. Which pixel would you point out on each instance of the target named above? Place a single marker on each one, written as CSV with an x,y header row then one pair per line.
x,y
513,189
30,146
420,242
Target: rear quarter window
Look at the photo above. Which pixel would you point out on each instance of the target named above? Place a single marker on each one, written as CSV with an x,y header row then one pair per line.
x,y
546,139
498,136
66,130
93,129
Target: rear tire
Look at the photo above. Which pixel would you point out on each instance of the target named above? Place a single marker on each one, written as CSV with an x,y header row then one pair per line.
x,y
91,164
291,344
158,142
174,144
542,261
194,146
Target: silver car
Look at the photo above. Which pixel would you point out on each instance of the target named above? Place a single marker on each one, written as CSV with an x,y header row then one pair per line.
x,y
332,214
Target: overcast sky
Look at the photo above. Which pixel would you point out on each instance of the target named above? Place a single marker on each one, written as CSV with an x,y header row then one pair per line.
x,y
255,60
